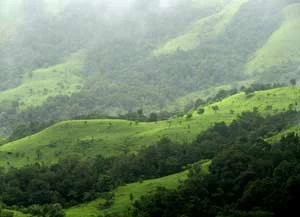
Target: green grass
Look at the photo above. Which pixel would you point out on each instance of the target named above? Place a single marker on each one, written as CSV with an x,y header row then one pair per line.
x,y
112,137
180,103
37,86
17,213
276,138
283,45
207,27
2,140
122,195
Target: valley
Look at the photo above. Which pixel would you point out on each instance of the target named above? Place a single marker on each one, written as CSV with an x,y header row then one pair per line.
x,y
161,108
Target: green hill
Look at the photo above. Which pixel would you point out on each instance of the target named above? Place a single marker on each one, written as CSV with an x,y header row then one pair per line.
x,y
149,57
123,194
276,138
206,28
111,137
37,86
282,47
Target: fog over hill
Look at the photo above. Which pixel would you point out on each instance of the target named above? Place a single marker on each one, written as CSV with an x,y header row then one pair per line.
x,y
111,57
149,108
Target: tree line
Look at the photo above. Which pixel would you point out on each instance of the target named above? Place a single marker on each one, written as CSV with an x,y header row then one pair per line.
x,y
72,181
248,179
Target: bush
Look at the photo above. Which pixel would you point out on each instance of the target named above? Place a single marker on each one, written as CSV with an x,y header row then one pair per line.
x,y
189,115
200,111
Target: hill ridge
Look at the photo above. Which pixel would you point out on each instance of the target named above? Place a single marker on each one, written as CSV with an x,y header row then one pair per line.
x,y
112,137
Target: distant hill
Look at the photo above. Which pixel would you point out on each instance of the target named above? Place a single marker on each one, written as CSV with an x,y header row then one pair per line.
x,y
88,138
62,59
282,48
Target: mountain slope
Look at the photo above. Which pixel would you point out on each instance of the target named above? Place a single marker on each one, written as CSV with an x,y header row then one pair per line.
x,y
276,138
282,47
207,44
122,195
37,86
208,27
88,138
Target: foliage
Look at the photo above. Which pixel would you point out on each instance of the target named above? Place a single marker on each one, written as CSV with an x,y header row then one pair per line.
x,y
72,181
112,70
89,138
53,210
247,179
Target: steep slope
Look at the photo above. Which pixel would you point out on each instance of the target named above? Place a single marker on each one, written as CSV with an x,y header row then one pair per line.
x,y
17,213
122,196
37,86
204,29
124,68
276,138
283,45
135,191
88,138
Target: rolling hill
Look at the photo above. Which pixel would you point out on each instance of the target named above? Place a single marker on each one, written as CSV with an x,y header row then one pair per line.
x,y
62,61
140,59
276,138
282,47
122,195
89,138
38,85
206,28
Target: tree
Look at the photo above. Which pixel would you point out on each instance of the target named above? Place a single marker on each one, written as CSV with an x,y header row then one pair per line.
x,y
200,111
53,210
293,82
189,115
153,117
199,102
140,112
215,108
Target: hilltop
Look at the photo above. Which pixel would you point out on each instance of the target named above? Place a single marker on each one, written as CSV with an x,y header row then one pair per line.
x,y
121,201
124,196
282,47
139,59
149,108
108,137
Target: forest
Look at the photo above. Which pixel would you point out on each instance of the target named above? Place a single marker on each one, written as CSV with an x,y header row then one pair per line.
x,y
138,108
241,158
114,69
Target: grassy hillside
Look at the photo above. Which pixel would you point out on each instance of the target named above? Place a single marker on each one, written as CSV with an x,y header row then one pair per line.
x,y
111,137
276,138
205,28
37,86
125,68
282,46
181,102
19,214
122,195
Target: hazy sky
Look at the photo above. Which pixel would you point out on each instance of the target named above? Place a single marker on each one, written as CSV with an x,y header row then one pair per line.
x,y
127,3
